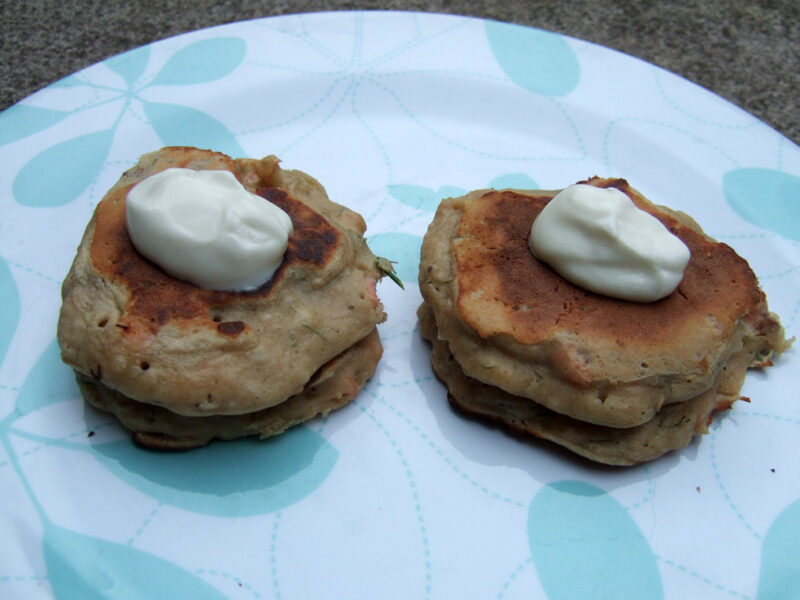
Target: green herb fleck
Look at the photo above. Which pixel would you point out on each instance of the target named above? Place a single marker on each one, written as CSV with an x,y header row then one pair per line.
x,y
385,265
763,356
312,330
684,420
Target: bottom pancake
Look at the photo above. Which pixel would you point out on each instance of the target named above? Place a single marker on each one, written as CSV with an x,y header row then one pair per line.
x,y
333,386
672,428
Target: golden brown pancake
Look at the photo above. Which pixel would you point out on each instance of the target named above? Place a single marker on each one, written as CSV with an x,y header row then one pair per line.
x,y
616,381
335,385
157,340
513,322
672,428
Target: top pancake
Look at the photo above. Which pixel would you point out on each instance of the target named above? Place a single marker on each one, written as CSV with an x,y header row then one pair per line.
x,y
163,341
513,322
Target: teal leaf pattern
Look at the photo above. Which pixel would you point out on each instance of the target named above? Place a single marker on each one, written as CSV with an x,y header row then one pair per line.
x,y
766,198
9,300
130,65
70,167
183,126
402,249
234,478
780,566
67,82
520,181
22,120
203,61
415,196
451,191
422,198
585,545
536,60
86,567
48,382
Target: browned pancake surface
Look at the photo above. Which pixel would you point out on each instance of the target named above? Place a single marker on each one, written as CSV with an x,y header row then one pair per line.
x,y
504,291
514,323
155,297
158,340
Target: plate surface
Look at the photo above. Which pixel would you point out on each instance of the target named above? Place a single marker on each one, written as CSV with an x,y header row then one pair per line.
x,y
395,496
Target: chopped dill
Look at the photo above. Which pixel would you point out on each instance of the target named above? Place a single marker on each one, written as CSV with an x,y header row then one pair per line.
x,y
312,330
763,356
385,265
684,420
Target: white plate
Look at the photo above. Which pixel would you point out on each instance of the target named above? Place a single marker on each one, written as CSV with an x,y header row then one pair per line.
x,y
395,496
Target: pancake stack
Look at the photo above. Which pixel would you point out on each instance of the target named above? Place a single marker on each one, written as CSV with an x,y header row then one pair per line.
x,y
615,381
180,365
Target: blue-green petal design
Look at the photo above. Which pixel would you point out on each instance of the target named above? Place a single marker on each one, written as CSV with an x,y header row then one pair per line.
x,y
203,61
519,181
86,567
450,191
49,381
235,478
780,557
20,121
61,173
400,248
423,198
585,545
767,198
178,125
130,65
536,60
9,300
67,82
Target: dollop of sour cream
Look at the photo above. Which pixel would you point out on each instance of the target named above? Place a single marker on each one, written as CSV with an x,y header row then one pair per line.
x,y
206,228
599,240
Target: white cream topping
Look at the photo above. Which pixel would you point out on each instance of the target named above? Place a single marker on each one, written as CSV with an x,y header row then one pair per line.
x,y
599,240
206,228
